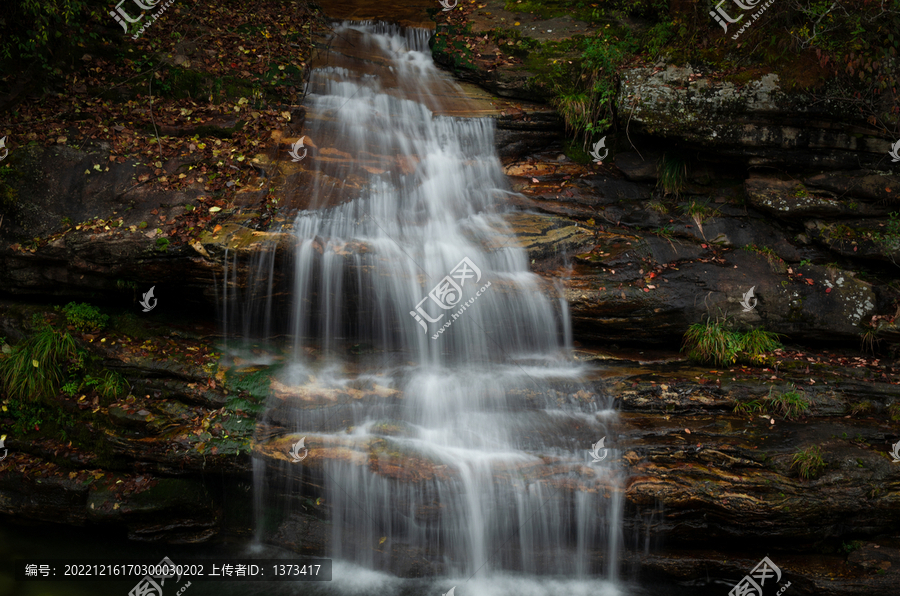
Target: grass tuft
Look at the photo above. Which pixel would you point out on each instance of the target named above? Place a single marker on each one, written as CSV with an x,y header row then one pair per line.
x,y
756,342
862,407
809,462
749,407
109,385
36,367
672,174
699,211
789,404
894,412
714,343
869,339
84,317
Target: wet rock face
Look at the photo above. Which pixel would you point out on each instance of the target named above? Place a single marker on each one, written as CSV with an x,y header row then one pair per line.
x,y
707,477
757,122
641,266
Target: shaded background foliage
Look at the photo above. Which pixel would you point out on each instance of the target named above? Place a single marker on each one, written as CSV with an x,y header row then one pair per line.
x,y
43,32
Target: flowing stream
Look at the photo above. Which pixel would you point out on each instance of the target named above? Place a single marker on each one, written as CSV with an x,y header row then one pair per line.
x,y
465,440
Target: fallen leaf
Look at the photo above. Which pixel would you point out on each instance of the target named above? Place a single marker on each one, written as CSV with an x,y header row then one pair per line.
x,y
199,248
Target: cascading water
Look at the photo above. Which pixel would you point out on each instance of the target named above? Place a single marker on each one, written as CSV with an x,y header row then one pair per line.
x,y
430,376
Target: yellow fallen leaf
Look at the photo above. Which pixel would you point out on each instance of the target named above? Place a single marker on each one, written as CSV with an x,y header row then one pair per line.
x,y
215,209
35,363
199,248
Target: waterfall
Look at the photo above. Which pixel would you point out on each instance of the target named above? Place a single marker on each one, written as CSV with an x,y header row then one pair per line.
x,y
430,373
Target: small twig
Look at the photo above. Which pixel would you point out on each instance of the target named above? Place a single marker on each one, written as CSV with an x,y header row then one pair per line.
x,y
153,120
627,124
